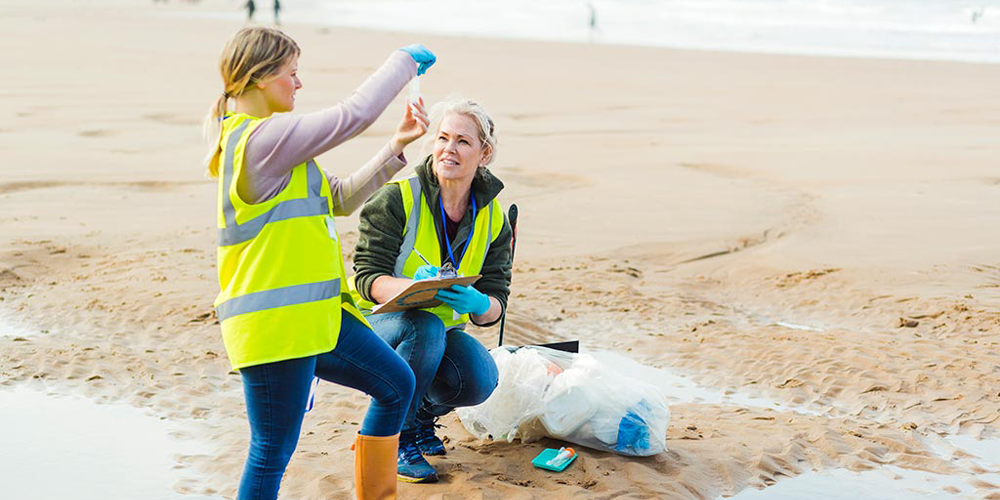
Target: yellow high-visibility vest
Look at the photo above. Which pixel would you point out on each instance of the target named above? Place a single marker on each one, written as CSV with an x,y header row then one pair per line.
x,y
281,271
419,234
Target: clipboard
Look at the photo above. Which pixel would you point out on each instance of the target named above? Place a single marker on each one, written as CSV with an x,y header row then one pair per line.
x,y
420,294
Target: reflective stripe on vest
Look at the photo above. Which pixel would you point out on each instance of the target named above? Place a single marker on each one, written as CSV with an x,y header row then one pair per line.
x,y
278,297
410,233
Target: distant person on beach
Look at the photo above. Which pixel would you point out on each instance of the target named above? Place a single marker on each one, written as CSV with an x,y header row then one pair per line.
x,y
251,8
978,14
446,215
286,313
277,11
592,32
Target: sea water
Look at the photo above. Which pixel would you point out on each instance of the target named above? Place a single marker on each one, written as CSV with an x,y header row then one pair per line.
x,y
958,30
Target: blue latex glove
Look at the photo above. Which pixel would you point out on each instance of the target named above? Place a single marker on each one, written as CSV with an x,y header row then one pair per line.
x,y
464,299
425,272
425,58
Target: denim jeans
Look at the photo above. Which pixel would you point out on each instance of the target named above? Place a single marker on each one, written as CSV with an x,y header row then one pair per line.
x,y
452,368
277,393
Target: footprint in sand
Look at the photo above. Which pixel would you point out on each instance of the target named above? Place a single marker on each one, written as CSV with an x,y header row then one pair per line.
x,y
159,186
96,133
8,277
170,119
11,187
549,181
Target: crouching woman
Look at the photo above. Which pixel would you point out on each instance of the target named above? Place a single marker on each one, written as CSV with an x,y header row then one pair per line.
x,y
446,213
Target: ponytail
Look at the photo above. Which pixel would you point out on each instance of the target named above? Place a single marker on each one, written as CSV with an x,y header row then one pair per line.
x,y
212,129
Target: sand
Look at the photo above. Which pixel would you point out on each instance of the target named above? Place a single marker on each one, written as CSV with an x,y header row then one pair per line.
x,y
677,207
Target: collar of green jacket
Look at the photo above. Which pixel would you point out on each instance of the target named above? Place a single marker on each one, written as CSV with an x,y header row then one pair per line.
x,y
485,185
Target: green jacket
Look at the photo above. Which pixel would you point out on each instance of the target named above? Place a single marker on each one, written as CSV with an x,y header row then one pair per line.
x,y
383,220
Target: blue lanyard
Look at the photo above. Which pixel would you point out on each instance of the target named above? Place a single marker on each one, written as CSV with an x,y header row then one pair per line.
x,y
444,230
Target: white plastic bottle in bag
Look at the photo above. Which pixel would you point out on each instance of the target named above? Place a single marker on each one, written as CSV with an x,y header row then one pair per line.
x,y
568,403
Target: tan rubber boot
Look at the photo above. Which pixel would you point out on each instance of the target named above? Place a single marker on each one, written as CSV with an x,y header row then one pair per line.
x,y
375,467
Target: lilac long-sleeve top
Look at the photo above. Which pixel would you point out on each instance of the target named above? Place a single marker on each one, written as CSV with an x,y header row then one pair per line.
x,y
285,141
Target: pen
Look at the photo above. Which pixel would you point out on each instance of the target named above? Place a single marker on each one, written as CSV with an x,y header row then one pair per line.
x,y
422,257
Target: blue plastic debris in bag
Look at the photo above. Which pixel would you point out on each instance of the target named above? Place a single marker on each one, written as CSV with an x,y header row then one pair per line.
x,y
633,433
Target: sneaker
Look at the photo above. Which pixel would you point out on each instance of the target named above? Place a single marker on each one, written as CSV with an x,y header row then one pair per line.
x,y
428,443
411,466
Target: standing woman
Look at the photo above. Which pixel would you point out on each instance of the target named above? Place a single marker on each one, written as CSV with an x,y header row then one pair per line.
x,y
448,213
284,308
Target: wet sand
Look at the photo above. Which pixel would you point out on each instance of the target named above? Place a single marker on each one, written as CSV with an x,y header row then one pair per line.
x,y
816,231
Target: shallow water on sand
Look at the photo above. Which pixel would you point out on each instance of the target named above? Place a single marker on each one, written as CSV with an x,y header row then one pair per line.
x,y
986,451
72,447
887,483
10,327
976,462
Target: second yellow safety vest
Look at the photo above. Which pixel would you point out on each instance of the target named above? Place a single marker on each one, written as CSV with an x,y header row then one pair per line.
x,y
420,234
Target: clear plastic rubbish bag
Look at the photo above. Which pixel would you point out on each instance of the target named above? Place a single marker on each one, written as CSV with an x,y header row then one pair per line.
x,y
573,397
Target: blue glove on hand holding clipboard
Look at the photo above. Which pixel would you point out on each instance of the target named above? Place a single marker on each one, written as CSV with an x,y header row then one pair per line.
x,y
464,299
425,272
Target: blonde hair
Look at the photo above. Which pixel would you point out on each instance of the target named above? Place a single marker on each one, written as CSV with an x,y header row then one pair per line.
x,y
251,56
468,108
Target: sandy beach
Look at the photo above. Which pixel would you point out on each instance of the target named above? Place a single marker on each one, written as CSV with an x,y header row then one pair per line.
x,y
817,231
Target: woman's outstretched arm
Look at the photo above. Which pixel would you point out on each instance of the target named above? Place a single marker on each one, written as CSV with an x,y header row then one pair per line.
x,y
282,142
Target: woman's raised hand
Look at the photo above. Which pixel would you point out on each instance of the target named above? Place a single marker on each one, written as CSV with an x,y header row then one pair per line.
x,y
411,128
421,55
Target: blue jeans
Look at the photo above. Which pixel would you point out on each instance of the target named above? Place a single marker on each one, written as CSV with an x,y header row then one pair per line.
x,y
277,393
452,368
